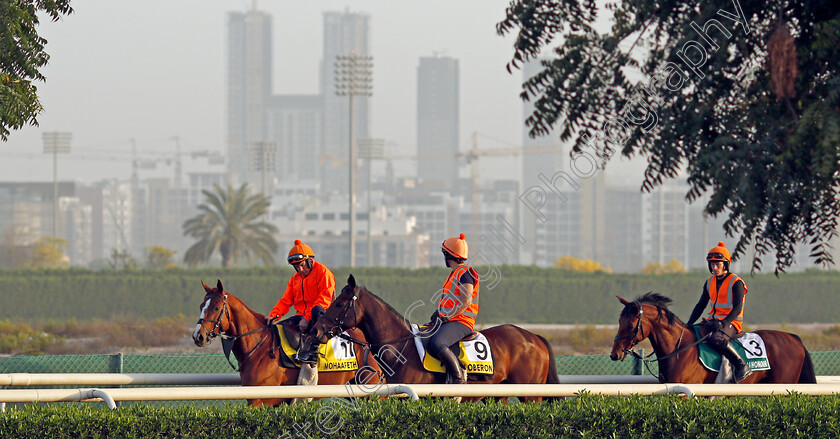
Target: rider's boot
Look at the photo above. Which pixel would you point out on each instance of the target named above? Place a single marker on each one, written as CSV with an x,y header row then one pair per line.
x,y
454,373
740,368
308,352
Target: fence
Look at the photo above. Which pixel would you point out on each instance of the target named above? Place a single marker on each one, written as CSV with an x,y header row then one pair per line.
x,y
825,363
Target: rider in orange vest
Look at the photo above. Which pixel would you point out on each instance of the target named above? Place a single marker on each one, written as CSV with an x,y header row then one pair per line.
x,y
727,292
311,290
457,309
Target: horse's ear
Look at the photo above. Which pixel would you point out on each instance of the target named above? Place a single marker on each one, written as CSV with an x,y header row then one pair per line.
x,y
220,286
620,299
351,281
206,288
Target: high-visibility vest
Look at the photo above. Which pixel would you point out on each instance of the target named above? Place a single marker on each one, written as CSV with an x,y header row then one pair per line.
x,y
720,297
450,297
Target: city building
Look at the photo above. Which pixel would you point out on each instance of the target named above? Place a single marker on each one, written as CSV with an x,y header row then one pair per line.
x,y
438,130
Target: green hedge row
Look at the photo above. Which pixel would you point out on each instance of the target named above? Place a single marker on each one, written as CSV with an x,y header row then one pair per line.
x,y
587,416
518,294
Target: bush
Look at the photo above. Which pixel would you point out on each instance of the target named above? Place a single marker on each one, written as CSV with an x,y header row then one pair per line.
x,y
585,416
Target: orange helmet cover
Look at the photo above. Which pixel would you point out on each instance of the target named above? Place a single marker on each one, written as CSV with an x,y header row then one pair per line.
x,y
457,246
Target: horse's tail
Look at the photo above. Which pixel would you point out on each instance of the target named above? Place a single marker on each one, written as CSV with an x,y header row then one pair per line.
x,y
552,377
806,375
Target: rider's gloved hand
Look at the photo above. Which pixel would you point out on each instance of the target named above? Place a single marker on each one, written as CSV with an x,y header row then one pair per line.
x,y
271,320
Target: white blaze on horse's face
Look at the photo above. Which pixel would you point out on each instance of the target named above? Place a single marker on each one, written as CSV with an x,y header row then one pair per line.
x,y
201,315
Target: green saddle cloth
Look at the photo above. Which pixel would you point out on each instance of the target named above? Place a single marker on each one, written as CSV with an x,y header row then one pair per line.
x,y
710,358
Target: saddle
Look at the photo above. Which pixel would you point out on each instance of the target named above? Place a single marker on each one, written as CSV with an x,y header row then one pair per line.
x,y
749,346
333,356
473,352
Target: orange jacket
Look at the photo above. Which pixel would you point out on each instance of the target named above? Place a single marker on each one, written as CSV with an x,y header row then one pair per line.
x,y
304,293
721,298
449,299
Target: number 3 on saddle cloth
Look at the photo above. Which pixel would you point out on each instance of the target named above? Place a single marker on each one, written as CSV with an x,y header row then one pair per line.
x,y
750,347
473,352
336,355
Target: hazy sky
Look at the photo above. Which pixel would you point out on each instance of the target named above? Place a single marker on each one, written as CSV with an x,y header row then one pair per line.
x,y
154,69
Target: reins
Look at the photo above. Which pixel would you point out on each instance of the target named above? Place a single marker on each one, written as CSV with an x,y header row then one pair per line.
x,y
227,340
644,359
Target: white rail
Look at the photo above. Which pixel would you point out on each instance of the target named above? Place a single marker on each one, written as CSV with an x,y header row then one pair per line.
x,y
414,391
119,379
231,379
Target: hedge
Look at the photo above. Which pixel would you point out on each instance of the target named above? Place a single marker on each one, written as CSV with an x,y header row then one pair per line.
x,y
587,416
522,294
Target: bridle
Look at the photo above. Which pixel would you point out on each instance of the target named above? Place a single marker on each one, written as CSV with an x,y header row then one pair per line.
x,y
635,335
339,327
217,329
227,341
636,340
338,321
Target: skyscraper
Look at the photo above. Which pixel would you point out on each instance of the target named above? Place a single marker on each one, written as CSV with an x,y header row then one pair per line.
x,y
437,121
344,33
249,88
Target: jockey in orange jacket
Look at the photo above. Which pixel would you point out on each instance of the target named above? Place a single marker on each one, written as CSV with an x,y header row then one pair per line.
x,y
457,309
311,290
727,292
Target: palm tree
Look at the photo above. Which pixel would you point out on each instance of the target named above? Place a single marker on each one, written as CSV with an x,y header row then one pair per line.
x,y
229,223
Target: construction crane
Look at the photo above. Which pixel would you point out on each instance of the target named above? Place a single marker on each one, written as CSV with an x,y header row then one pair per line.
x,y
471,157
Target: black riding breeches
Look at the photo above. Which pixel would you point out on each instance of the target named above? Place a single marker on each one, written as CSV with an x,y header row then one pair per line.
x,y
447,335
719,339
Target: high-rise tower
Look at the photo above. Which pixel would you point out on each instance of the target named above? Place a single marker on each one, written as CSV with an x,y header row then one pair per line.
x,y
249,88
437,121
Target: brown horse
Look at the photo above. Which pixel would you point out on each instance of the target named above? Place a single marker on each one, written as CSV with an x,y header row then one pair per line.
x,y
519,356
676,349
222,313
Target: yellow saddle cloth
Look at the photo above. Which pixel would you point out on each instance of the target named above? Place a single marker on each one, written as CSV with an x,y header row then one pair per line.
x,y
474,354
336,355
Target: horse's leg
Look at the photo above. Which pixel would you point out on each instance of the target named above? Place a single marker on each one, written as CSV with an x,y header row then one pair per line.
x,y
267,372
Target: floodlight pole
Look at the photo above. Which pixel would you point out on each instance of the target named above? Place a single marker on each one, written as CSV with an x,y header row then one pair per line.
x,y
353,78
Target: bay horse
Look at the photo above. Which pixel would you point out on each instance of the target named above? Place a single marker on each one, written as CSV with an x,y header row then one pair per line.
x,y
675,346
519,356
222,313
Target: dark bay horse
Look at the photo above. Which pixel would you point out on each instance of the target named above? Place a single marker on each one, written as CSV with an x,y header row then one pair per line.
x,y
224,313
520,357
648,317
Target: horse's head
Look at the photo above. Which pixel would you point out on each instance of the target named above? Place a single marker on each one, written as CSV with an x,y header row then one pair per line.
x,y
344,312
631,330
638,319
213,317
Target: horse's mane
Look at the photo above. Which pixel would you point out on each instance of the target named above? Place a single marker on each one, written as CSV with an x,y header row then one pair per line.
x,y
659,301
242,302
384,303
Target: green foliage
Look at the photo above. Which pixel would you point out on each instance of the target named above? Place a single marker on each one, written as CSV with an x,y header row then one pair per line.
x,y
19,338
121,260
753,117
524,294
21,56
230,225
49,253
581,265
158,257
585,416
673,266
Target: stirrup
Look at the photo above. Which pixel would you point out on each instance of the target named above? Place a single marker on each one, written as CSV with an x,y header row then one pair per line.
x,y
308,357
745,372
